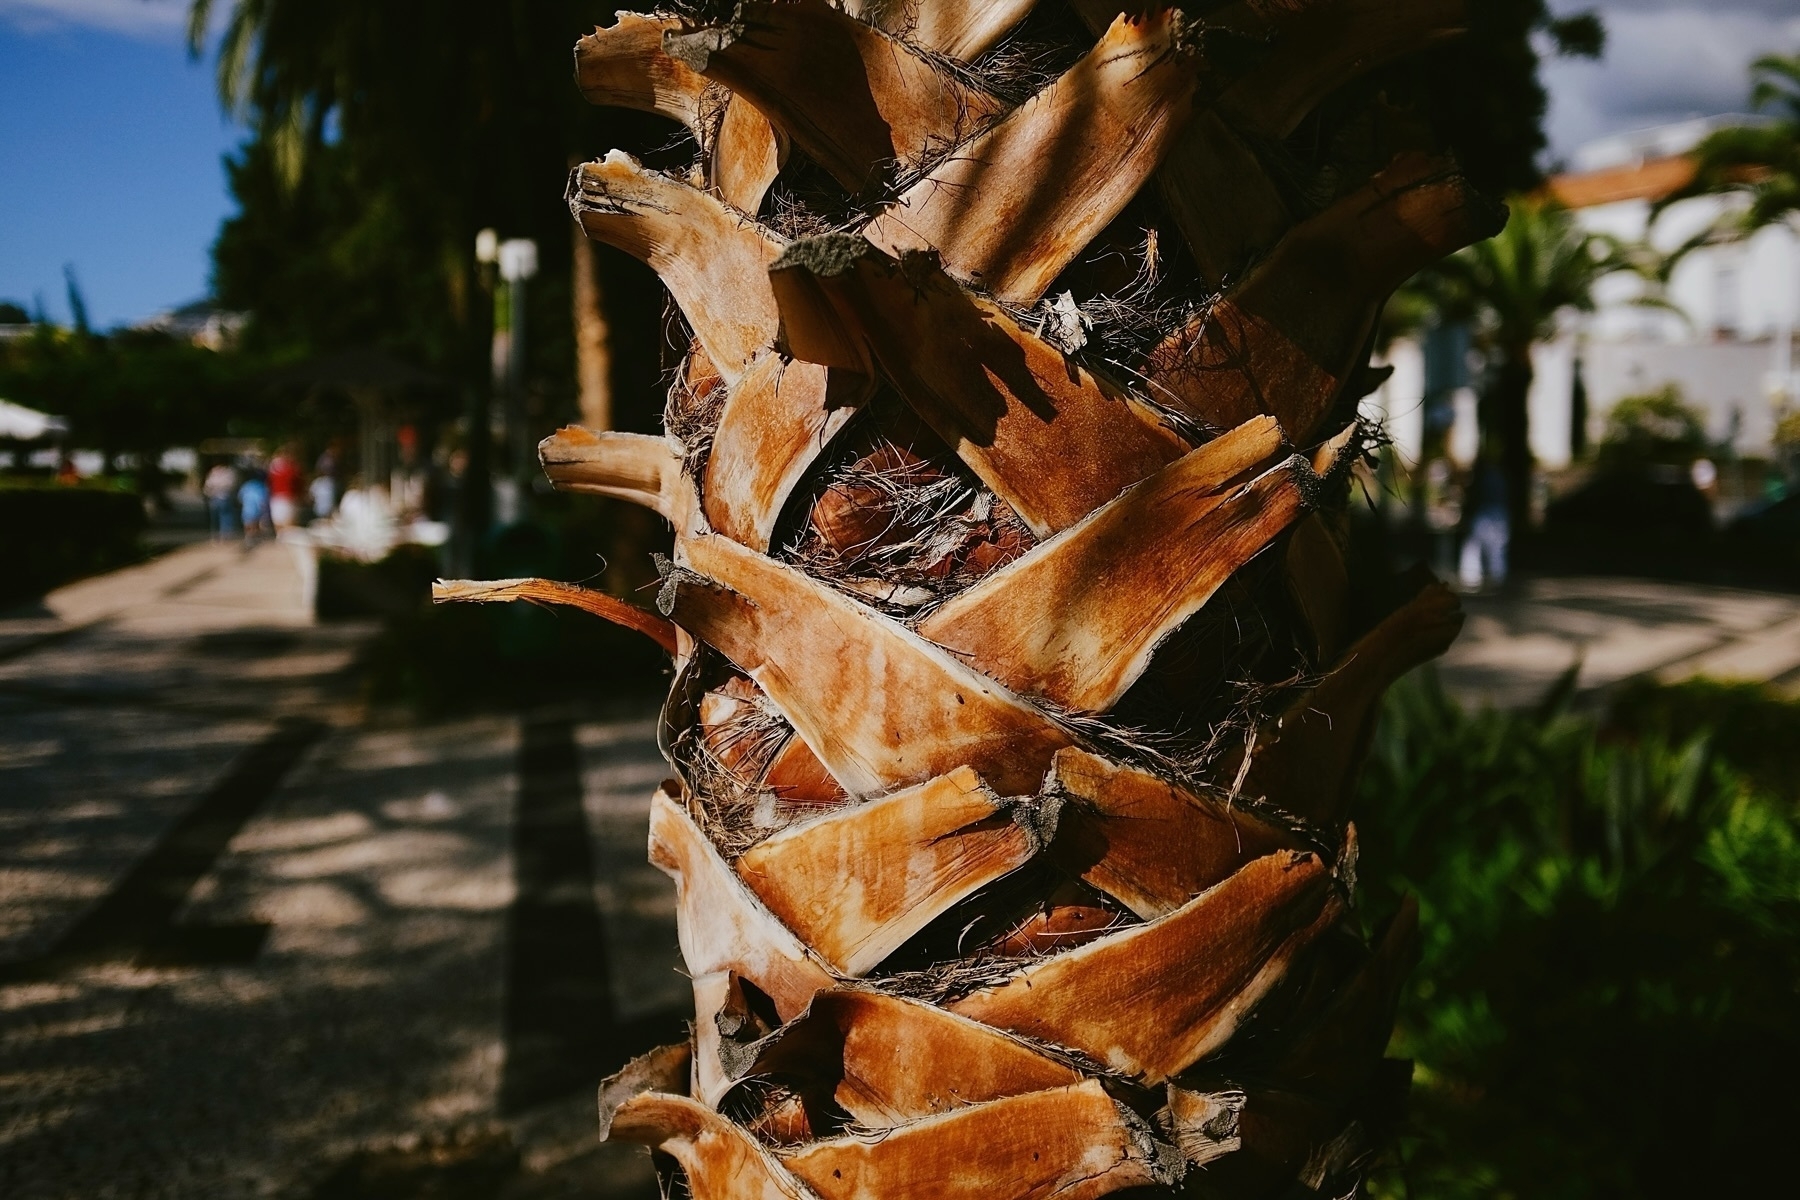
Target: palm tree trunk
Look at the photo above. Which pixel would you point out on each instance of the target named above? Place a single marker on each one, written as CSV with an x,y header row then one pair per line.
x,y
1019,698
1507,421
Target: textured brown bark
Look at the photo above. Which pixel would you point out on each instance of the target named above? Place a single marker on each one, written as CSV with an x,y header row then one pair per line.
x,y
855,100
773,426
1008,211
1145,842
1050,438
922,849
624,65
1020,689
888,1061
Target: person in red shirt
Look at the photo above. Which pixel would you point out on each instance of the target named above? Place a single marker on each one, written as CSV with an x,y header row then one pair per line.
x,y
284,489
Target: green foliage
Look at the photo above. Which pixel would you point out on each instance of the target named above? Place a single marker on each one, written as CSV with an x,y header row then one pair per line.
x,y
1606,1000
368,274
1478,96
1760,162
52,534
384,136
1752,727
1657,427
440,659
129,391
1482,93
1787,431
1579,35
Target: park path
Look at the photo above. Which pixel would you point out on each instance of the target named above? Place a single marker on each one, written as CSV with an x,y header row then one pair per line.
x,y
1515,645
256,943
253,943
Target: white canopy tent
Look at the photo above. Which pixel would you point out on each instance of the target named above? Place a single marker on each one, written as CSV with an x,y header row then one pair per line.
x,y
21,424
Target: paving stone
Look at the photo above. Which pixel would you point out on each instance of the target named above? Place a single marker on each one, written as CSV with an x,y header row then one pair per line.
x,y
1516,644
324,1011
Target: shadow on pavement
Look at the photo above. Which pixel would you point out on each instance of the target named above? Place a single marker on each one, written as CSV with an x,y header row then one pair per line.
x,y
135,922
562,1033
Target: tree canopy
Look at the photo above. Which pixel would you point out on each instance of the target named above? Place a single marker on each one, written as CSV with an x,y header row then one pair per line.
x,y
383,137
132,391
1513,290
1515,286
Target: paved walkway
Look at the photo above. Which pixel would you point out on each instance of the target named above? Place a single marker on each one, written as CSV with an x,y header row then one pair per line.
x,y
252,944
1513,647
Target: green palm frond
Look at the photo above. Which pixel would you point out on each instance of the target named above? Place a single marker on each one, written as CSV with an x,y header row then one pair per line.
x,y
1758,162
1777,83
1514,286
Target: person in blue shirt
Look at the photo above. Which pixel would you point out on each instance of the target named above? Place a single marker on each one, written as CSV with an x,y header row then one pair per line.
x,y
253,506
1489,527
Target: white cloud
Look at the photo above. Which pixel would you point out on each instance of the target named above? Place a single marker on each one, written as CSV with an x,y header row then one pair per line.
x,y
1771,8
157,19
1665,61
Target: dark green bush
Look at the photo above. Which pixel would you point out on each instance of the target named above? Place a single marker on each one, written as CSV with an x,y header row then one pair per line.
x,y
397,586
442,659
1753,728
1655,428
51,534
1608,1003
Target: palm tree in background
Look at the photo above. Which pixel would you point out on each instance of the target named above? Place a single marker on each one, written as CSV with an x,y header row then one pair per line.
x,y
1515,289
384,137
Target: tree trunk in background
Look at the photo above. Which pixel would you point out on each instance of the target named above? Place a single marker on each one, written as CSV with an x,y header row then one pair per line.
x,y
593,353
1020,686
1508,423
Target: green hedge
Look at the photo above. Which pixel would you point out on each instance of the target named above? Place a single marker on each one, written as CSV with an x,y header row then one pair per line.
x,y
1608,1001
448,658
50,535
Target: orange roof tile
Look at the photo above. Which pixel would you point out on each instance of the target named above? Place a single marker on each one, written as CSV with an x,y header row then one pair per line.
x,y
1649,180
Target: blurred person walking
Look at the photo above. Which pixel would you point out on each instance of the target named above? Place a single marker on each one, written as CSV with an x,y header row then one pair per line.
x,y
220,490
284,489
323,489
253,507
1484,548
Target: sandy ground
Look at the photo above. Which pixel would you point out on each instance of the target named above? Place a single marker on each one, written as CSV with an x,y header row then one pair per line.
x,y
251,945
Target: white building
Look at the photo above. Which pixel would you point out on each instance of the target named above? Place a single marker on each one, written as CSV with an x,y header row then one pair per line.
x,y
201,323
1729,347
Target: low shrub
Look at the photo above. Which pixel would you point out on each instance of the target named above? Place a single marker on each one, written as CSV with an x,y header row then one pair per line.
x,y
51,534
1653,428
1608,995
435,660
395,587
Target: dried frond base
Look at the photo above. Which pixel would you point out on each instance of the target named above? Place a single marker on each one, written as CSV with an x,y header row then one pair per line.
x,y
1021,685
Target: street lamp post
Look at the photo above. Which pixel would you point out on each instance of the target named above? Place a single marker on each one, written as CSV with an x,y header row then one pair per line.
x,y
518,262
474,495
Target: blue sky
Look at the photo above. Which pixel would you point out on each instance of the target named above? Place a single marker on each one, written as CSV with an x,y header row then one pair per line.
x,y
111,139
110,147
